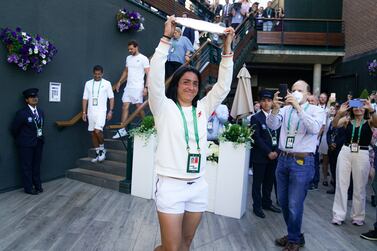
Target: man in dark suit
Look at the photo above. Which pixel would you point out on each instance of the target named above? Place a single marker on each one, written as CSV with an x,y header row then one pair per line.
x,y
27,128
265,153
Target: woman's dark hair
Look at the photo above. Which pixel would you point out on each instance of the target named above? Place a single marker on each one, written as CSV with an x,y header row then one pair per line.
x,y
352,115
172,90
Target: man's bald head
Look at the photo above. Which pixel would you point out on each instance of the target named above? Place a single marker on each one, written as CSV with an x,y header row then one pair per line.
x,y
303,87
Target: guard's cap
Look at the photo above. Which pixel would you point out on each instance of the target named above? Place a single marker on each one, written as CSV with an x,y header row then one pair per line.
x,y
31,92
266,94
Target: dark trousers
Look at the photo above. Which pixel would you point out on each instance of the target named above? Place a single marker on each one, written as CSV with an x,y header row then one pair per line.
x,y
333,156
30,160
170,68
293,182
263,177
316,177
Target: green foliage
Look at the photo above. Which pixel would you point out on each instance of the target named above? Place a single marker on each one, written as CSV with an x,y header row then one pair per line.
x,y
146,129
364,94
237,134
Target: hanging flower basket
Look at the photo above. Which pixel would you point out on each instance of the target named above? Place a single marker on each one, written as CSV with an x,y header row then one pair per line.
x,y
129,20
372,68
26,51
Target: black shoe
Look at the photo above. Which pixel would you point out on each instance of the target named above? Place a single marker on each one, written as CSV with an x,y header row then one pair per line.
x,y
282,242
39,190
273,209
373,200
371,235
259,213
33,192
331,191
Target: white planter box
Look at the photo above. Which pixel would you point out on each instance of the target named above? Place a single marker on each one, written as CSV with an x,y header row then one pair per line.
x,y
232,180
143,171
211,178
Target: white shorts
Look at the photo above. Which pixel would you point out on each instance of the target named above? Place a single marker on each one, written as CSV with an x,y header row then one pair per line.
x,y
96,120
175,196
133,95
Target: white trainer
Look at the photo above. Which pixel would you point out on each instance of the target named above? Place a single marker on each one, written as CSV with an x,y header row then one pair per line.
x,y
95,160
121,133
102,155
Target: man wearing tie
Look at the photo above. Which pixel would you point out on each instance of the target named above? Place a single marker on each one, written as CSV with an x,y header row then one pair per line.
x,y
265,153
227,10
299,124
27,128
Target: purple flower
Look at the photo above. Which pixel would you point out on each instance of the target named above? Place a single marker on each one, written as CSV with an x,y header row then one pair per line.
x,y
13,58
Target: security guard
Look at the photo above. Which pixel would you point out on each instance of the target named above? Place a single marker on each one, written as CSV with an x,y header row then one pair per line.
x,y
265,153
27,128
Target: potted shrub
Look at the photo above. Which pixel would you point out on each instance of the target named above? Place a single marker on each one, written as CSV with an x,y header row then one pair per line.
x,y
232,173
143,171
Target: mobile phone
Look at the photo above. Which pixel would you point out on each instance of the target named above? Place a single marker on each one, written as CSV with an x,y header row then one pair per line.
x,y
333,95
355,103
283,90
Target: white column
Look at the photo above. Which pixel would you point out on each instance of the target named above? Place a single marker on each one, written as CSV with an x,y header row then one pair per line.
x,y
317,71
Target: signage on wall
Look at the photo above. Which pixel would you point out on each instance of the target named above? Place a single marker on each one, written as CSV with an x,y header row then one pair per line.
x,y
55,92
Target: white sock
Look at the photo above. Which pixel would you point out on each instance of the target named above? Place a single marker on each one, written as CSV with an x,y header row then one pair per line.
x,y
101,146
97,150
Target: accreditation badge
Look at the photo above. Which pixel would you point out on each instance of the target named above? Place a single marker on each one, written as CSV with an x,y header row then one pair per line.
x,y
289,142
193,163
95,102
39,132
354,147
274,141
210,125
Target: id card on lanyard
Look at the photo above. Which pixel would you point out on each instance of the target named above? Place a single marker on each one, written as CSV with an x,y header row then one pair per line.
x,y
274,138
354,147
39,127
193,159
95,99
291,137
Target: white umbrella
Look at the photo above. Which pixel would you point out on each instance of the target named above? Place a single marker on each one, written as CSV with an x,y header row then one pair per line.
x,y
243,100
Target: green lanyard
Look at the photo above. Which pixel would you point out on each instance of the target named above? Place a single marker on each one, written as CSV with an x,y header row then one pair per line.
x,y
99,87
269,132
353,130
186,128
298,124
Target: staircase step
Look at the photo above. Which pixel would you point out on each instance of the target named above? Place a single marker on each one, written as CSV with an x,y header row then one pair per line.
x,y
107,166
95,178
114,155
115,144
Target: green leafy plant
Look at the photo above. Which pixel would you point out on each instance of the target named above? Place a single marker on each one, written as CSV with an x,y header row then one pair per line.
x,y
145,130
238,135
213,152
364,94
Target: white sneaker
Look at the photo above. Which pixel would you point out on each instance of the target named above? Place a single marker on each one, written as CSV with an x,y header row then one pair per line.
x,y
102,155
121,133
95,160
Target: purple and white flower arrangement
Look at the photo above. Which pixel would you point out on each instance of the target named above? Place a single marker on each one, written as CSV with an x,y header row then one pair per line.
x,y
372,67
129,20
26,51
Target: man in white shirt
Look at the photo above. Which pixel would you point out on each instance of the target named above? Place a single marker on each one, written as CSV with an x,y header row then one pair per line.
x,y
94,109
137,66
300,123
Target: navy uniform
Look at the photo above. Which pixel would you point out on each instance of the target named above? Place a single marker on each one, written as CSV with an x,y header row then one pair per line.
x,y
265,142
27,129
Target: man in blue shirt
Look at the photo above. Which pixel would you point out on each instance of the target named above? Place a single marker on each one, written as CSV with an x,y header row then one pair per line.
x,y
179,52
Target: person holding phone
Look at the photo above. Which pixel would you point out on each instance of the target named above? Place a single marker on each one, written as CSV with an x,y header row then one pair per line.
x,y
299,124
353,158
